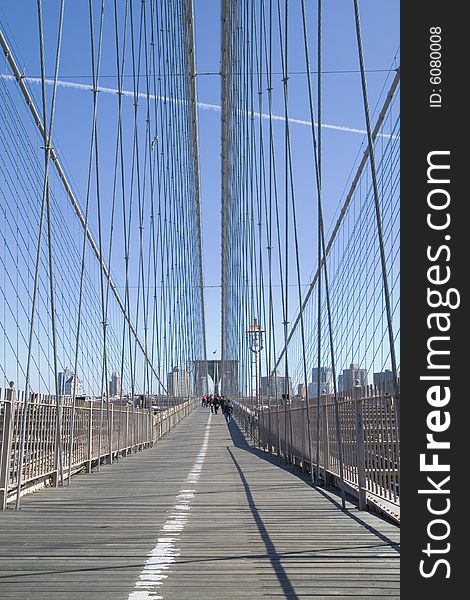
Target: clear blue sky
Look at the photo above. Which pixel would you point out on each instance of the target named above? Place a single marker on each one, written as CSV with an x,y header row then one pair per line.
x,y
342,105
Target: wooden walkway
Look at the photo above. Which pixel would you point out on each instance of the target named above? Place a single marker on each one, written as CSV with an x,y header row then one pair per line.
x,y
202,515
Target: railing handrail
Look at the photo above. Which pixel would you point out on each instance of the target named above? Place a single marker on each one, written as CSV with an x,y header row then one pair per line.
x,y
94,441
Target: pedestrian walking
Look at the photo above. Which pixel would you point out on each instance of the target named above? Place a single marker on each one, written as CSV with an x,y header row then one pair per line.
x,y
228,411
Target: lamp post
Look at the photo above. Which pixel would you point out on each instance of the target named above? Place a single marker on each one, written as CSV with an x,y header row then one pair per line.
x,y
216,378
255,341
190,369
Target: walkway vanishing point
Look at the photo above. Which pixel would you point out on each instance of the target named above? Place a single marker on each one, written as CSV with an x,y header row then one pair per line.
x,y
203,514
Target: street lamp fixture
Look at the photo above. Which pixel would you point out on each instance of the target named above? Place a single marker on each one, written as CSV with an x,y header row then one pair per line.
x,y
255,340
190,369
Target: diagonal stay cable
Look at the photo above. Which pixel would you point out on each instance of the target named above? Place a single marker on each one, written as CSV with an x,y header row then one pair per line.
x,y
343,212
82,274
377,209
319,241
283,43
58,460
68,189
48,151
323,260
104,374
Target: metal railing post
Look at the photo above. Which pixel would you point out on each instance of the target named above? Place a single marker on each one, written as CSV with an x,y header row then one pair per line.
x,y
361,462
126,444
325,440
57,443
7,439
269,436
111,430
90,438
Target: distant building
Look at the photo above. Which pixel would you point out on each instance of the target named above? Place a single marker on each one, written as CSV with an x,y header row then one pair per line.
x,y
115,385
73,385
62,378
346,381
385,382
275,386
301,390
178,382
67,382
326,382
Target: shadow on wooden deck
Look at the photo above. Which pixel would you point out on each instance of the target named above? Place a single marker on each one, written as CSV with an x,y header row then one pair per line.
x,y
331,494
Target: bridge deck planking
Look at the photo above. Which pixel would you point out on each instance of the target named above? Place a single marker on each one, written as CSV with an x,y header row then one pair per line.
x,y
254,530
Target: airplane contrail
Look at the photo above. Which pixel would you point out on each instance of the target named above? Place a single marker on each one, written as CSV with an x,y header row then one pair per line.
x,y
201,105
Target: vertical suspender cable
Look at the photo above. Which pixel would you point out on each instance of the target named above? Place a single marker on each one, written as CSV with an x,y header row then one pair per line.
x,y
378,215
48,139
285,78
68,189
104,374
82,277
319,246
327,292
58,459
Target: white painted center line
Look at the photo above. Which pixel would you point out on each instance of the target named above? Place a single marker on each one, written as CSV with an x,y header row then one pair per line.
x,y
164,554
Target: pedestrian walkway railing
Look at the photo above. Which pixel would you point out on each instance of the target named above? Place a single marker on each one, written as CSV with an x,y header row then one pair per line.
x,y
96,432
369,436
